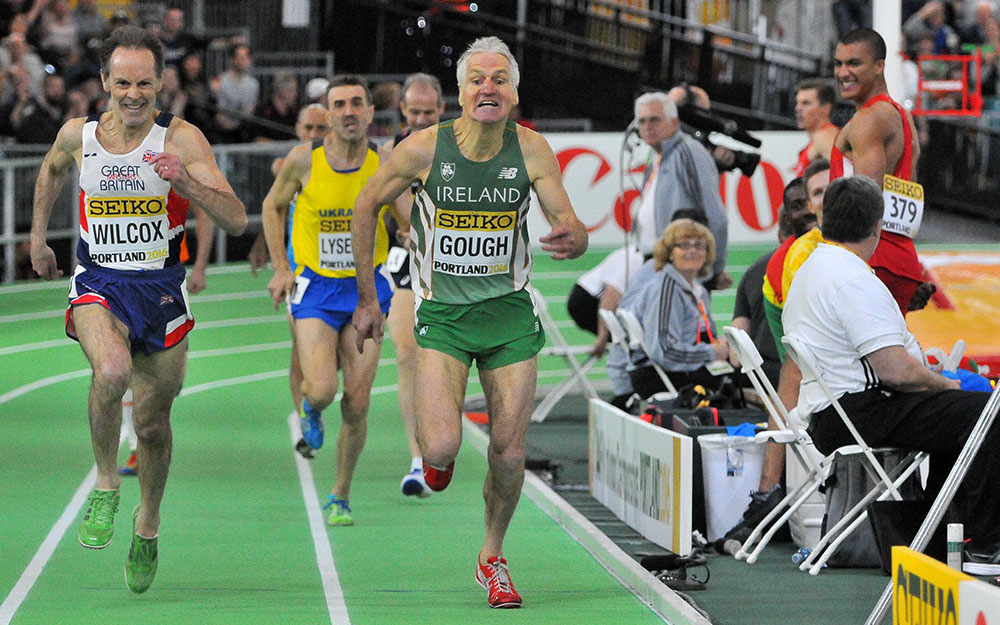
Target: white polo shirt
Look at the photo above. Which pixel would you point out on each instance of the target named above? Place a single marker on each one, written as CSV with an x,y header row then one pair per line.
x,y
838,307
612,271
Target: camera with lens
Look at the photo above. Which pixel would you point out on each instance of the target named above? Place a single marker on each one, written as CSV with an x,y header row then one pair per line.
x,y
698,123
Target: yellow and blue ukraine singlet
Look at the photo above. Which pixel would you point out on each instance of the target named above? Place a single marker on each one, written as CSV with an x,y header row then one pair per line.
x,y
321,223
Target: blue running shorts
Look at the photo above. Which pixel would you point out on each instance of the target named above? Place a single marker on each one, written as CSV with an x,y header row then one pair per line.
x,y
152,304
334,299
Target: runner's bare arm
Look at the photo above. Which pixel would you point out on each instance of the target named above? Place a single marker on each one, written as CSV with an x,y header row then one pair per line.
x,y
823,143
51,177
400,207
868,134
410,161
188,164
205,230
568,237
275,215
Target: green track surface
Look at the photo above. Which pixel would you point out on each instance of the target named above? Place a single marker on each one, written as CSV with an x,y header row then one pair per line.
x,y
235,542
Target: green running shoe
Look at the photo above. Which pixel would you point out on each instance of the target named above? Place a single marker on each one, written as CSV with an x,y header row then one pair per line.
x,y
99,521
140,568
340,512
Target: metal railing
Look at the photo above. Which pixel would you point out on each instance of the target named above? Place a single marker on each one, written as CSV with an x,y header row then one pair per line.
x,y
247,167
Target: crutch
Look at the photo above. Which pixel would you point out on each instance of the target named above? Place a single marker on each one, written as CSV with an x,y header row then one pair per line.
x,y
936,513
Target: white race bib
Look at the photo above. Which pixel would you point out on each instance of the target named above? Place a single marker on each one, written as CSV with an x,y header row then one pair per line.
x,y
474,243
335,251
397,258
904,206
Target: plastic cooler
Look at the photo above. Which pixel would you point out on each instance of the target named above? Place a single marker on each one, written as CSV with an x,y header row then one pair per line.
x,y
731,467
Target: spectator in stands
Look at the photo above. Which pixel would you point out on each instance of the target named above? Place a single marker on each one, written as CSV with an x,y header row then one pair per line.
x,y
77,105
851,14
281,109
931,19
991,59
602,288
237,96
683,175
18,57
90,22
794,219
37,120
200,107
86,65
386,97
675,313
177,43
58,35
171,98
975,33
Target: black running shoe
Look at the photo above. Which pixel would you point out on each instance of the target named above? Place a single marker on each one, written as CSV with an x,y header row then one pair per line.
x,y
760,505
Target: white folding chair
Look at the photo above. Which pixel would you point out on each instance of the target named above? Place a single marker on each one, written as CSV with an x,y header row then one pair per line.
x,y
790,432
560,347
637,341
950,361
886,483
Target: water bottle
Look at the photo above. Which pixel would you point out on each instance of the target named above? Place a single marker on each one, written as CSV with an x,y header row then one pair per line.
x,y
800,556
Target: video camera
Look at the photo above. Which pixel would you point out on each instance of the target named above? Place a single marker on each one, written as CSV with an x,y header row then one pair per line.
x,y
700,123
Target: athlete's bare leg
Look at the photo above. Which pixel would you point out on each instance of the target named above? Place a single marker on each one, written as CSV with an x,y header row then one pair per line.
x,y
156,380
317,344
439,405
359,374
401,328
295,370
104,339
510,394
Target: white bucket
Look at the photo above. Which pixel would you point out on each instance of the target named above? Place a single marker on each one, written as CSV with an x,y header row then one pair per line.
x,y
731,467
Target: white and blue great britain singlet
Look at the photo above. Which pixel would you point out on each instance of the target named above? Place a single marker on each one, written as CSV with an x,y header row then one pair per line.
x,y
130,220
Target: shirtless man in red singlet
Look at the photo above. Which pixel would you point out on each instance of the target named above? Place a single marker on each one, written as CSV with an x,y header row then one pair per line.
x,y
880,139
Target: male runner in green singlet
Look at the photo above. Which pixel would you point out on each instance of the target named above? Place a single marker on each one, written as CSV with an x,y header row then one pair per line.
x,y
472,260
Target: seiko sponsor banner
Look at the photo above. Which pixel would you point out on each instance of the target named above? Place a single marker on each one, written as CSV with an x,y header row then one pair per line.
x,y
602,194
978,604
642,473
473,243
127,229
923,589
335,251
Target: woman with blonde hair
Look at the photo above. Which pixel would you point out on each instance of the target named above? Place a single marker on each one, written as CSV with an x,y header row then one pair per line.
x,y
675,314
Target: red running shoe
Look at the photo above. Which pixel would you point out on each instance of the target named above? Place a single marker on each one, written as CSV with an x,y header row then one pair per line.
x,y
493,576
131,466
438,479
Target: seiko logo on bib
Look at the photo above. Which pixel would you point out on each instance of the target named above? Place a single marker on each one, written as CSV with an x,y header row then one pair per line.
x,y
447,171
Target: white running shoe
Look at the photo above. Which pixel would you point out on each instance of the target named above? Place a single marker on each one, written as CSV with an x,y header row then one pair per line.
x,y
413,484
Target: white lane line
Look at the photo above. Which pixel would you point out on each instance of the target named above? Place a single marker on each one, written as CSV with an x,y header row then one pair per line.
x,y
45,551
335,602
35,316
29,347
44,382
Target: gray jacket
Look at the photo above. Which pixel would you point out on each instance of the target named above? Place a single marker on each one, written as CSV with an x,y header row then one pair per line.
x,y
671,321
688,178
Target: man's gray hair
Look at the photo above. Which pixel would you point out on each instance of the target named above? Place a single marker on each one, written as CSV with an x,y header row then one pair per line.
x,y
492,45
669,108
423,79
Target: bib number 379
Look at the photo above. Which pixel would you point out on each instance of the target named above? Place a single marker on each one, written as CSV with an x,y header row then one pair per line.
x,y
904,206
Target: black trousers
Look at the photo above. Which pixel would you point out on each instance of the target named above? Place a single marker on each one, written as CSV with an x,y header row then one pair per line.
x,y
646,382
582,308
938,422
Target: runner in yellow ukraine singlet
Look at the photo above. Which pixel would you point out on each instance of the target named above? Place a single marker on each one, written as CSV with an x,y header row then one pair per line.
x,y
327,175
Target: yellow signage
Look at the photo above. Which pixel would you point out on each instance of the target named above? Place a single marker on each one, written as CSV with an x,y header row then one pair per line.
x,y
923,589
